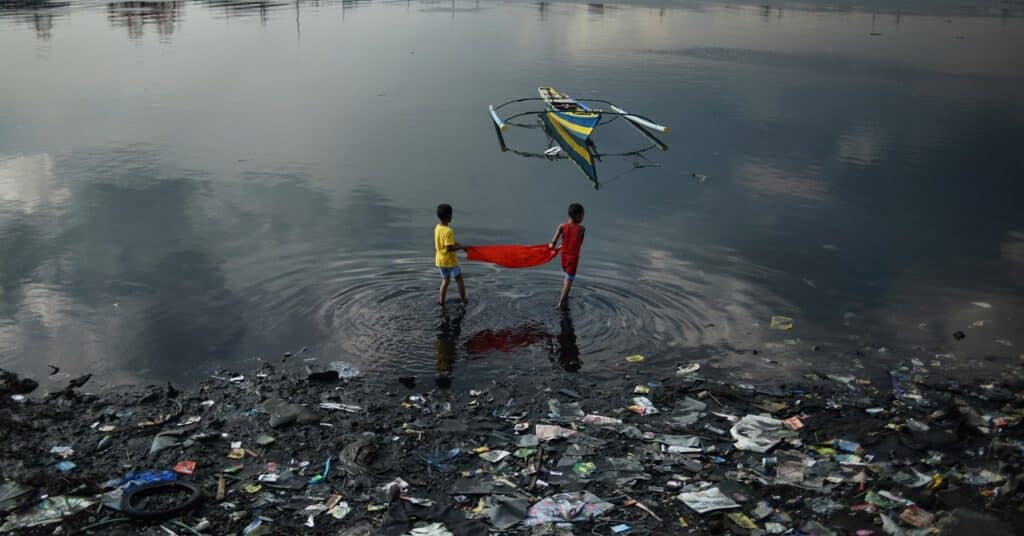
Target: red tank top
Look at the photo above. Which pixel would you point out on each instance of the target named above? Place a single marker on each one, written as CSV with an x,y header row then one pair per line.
x,y
572,239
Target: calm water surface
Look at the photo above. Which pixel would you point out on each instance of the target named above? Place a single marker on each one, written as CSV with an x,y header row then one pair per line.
x,y
188,185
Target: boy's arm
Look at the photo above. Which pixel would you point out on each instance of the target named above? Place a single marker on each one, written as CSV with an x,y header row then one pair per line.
x,y
554,239
451,244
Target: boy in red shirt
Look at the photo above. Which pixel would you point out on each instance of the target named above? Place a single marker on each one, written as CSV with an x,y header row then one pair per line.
x,y
571,233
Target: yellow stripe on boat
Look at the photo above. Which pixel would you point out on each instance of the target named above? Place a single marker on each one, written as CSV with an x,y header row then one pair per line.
x,y
568,138
581,130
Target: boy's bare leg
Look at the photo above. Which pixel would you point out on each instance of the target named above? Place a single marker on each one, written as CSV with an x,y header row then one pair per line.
x,y
444,290
462,288
563,300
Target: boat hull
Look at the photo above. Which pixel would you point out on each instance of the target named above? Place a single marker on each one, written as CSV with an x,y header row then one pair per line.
x,y
577,149
576,119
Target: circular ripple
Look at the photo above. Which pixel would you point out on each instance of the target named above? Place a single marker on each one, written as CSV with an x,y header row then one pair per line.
x,y
386,320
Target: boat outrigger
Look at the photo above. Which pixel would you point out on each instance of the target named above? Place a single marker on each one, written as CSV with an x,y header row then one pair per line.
x,y
570,122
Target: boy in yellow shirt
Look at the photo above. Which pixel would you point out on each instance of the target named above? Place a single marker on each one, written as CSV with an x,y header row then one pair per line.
x,y
445,247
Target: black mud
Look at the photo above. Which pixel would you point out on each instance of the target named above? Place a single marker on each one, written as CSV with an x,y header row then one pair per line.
x,y
953,448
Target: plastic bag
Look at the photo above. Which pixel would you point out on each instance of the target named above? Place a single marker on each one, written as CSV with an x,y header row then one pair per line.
x,y
566,507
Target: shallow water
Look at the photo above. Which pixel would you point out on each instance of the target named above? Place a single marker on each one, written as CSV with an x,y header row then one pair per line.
x,y
189,185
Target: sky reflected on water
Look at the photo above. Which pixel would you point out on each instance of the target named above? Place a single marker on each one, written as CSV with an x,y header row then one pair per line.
x,y
193,184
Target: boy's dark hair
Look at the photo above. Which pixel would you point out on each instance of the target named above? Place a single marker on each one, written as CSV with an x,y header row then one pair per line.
x,y
444,212
576,211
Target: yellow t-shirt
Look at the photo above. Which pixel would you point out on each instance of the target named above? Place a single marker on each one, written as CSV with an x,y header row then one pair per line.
x,y
444,236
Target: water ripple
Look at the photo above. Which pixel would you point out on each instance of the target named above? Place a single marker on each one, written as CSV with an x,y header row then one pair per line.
x,y
387,321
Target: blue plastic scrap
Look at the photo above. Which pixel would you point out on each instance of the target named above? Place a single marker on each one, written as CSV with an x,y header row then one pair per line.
x,y
253,525
621,528
138,478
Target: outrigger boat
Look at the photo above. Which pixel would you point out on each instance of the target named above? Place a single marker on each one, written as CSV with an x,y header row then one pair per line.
x,y
570,123
567,114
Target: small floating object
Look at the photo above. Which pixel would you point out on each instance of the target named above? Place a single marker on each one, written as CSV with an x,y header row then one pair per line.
x,y
685,370
782,322
983,305
635,358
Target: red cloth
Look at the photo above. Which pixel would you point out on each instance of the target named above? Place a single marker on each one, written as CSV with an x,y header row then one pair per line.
x,y
512,256
572,241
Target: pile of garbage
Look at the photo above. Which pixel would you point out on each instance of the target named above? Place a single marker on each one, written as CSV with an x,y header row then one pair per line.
x,y
330,451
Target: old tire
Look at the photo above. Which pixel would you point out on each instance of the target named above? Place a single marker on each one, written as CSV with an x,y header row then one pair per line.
x,y
130,500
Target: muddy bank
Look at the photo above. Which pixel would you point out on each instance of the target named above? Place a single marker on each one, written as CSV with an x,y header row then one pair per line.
x,y
278,451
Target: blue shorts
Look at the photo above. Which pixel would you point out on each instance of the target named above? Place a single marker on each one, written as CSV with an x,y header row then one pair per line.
x,y
569,277
448,273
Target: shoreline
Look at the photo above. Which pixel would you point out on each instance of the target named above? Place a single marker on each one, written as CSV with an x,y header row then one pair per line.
x,y
280,451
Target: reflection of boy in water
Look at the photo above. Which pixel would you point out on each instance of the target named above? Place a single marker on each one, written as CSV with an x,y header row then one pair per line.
x,y
568,351
448,332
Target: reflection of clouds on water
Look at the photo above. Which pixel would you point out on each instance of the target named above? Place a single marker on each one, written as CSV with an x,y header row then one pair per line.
x,y
697,295
38,318
1013,248
915,316
119,279
229,263
27,184
46,306
861,146
31,203
765,178
1012,251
